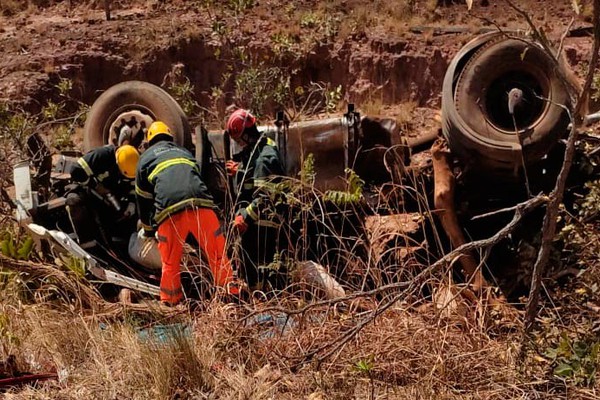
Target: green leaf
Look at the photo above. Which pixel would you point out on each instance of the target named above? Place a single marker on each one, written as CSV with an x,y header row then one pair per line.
x,y
563,370
551,353
564,347
25,249
581,349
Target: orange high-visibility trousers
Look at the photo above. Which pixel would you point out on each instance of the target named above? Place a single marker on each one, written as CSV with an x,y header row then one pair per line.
x,y
204,225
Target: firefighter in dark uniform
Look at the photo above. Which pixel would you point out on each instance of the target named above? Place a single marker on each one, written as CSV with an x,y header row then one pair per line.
x,y
255,168
174,202
106,205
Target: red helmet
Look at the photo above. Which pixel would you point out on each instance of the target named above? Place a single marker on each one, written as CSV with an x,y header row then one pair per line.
x,y
238,121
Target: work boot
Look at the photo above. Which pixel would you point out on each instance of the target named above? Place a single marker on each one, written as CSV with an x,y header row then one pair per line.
x,y
182,306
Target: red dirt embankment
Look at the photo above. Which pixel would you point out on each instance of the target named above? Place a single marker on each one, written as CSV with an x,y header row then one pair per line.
x,y
376,60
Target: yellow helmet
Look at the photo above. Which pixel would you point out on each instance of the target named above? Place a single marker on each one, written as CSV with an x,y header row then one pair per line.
x,y
127,160
157,128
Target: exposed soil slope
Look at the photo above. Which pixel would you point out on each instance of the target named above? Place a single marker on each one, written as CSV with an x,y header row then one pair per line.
x,y
378,53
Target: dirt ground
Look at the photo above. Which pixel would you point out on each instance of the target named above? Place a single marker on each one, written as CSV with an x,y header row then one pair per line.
x,y
383,56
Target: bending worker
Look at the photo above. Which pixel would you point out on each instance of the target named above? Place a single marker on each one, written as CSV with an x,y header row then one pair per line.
x,y
172,196
253,168
107,174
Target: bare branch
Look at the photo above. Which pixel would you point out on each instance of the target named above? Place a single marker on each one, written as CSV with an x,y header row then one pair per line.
x,y
541,38
550,219
564,36
331,347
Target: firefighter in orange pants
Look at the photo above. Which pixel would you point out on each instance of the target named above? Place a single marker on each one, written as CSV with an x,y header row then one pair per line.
x,y
171,195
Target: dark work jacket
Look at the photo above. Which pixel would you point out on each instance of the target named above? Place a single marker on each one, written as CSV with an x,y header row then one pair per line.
x,y
100,166
259,165
168,181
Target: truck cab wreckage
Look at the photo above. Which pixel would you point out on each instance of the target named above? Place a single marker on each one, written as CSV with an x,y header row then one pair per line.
x,y
503,117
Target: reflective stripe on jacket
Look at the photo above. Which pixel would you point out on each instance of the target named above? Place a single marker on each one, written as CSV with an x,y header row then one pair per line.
x,y
101,165
168,181
259,165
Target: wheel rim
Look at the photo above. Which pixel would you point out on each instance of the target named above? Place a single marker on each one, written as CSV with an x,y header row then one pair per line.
x,y
535,90
137,117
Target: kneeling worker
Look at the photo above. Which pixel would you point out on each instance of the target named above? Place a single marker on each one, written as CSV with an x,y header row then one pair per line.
x,y
106,174
172,196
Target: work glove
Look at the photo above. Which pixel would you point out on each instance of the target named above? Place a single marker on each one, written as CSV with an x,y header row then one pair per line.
x,y
239,225
231,167
130,210
143,234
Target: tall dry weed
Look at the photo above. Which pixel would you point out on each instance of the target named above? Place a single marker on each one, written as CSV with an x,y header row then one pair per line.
x,y
233,352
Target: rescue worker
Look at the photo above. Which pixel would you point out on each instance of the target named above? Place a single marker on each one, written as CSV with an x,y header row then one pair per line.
x,y
173,199
256,166
106,174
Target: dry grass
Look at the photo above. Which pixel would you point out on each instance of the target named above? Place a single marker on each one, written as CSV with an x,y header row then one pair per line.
x,y
414,349
374,106
403,346
403,354
406,115
10,8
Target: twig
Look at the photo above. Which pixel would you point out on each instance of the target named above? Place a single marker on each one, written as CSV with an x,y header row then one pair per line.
x,y
60,120
495,212
331,347
541,39
556,196
564,36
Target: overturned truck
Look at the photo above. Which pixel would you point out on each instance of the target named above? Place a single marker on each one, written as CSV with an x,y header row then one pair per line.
x,y
493,139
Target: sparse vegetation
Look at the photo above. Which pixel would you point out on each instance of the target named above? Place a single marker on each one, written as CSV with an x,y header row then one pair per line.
x,y
389,338
575,360
405,115
182,90
352,196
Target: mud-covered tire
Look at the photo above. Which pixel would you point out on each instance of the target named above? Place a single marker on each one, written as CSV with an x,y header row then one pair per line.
x,y
475,116
134,95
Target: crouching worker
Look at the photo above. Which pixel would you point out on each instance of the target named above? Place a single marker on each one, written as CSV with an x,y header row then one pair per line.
x,y
106,205
172,196
254,168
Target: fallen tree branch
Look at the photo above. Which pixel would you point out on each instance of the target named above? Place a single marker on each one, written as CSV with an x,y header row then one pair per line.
x,y
446,212
521,210
331,347
556,196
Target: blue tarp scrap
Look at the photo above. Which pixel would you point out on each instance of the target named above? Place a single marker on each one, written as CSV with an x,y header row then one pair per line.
x,y
165,333
272,325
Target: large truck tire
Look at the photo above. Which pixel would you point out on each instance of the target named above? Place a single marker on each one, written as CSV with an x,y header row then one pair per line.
x,y
475,117
135,103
